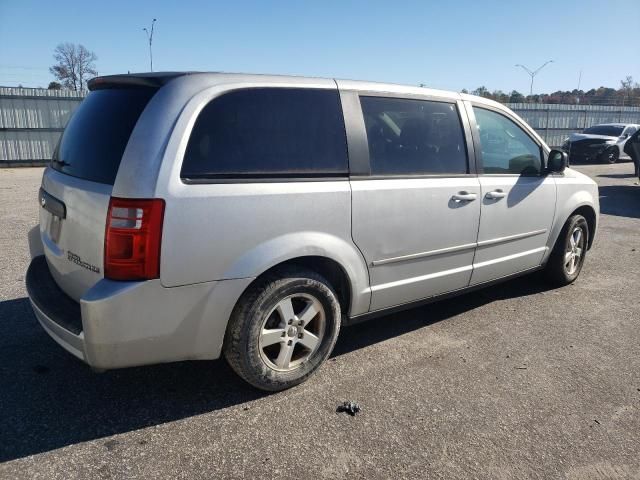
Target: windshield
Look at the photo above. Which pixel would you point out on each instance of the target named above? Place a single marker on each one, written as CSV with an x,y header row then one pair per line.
x,y
94,140
609,130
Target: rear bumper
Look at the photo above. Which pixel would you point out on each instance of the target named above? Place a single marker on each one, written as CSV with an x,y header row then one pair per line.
x,y
58,314
124,324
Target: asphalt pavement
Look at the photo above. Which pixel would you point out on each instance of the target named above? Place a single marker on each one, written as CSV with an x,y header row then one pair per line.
x,y
514,381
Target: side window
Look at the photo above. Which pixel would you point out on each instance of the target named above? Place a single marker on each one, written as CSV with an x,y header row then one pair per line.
x,y
506,148
268,132
413,137
630,131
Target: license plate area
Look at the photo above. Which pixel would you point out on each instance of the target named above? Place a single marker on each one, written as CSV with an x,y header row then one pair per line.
x,y
55,226
58,211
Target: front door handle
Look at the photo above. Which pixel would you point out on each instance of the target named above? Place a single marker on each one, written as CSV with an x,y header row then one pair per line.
x,y
464,197
495,194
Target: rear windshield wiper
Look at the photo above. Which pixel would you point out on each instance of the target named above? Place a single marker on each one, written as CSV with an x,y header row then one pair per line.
x,y
62,163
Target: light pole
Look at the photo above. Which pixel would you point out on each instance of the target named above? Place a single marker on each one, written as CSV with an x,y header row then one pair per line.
x,y
578,89
534,73
150,38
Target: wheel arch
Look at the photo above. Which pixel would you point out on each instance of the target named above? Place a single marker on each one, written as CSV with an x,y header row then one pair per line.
x,y
340,262
586,209
327,267
589,213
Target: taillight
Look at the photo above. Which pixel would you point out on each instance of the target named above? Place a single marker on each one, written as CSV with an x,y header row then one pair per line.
x,y
132,239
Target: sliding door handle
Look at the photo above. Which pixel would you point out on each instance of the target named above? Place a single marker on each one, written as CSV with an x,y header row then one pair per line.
x,y
495,194
464,197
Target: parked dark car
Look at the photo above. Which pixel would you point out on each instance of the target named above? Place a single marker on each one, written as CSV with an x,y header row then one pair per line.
x,y
602,143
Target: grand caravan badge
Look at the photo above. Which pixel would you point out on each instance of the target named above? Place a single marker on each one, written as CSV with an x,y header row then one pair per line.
x,y
72,257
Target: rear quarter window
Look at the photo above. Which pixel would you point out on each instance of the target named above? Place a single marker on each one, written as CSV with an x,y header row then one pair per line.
x,y
268,132
95,138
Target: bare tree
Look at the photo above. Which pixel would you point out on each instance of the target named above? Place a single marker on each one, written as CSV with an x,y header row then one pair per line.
x,y
626,86
74,66
627,83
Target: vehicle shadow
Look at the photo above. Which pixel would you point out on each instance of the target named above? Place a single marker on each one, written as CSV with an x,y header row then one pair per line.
x,y
49,399
620,200
617,175
389,326
581,161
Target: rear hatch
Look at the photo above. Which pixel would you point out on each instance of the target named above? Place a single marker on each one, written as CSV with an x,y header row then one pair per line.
x,y
77,187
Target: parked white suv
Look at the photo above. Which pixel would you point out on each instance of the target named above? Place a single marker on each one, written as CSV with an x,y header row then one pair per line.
x,y
185,216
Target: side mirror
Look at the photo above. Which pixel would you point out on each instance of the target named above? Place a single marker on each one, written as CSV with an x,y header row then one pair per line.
x,y
557,161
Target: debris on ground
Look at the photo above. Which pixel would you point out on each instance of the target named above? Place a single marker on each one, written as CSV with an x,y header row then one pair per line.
x,y
349,407
111,444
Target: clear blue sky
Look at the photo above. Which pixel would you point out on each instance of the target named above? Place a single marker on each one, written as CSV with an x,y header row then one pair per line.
x,y
446,44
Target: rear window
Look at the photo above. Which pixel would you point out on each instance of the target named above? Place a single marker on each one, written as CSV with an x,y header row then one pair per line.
x,y
268,132
93,142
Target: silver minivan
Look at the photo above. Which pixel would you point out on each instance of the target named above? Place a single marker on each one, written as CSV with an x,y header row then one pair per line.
x,y
192,215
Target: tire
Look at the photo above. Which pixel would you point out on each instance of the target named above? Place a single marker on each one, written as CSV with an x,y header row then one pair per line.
x,y
298,340
563,267
610,155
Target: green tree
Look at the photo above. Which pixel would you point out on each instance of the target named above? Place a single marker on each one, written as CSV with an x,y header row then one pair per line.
x,y
516,97
481,91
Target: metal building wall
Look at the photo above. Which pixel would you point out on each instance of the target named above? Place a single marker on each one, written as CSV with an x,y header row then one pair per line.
x,y
556,122
31,122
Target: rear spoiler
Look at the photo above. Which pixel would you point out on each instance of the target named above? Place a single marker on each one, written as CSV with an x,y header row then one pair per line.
x,y
145,80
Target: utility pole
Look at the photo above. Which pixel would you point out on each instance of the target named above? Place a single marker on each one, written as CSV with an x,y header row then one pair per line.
x,y
150,39
534,72
578,89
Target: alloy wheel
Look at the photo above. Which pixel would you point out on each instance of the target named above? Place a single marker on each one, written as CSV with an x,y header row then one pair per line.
x,y
574,251
292,332
611,155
